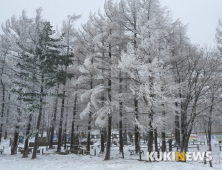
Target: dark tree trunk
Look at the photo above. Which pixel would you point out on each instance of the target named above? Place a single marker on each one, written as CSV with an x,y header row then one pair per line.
x,y
65,132
89,121
88,134
136,126
3,109
155,140
120,137
210,126
209,134
150,141
48,130
16,133
25,153
187,128
60,123
6,134
177,130
102,141
163,134
120,116
150,133
65,136
177,127
7,118
183,128
38,122
108,146
15,144
51,137
65,139
163,141
54,119
43,124
73,123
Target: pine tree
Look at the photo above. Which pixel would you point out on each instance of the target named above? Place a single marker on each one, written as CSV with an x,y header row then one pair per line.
x,y
38,71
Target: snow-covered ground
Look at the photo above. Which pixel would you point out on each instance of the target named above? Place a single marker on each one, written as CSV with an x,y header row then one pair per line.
x,y
53,161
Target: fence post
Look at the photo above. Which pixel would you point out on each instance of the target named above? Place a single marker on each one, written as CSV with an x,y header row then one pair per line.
x,y
220,148
94,152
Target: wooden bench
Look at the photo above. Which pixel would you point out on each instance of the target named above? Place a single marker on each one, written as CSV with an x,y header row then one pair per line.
x,y
21,150
142,143
47,148
85,143
218,145
63,153
132,151
31,144
92,146
194,147
78,149
197,142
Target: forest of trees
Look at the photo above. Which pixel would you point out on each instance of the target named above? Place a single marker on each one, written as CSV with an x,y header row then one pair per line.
x,y
129,61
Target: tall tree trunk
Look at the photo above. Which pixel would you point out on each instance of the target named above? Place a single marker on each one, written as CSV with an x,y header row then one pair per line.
x,y
120,116
7,117
89,130
163,134
136,133
155,140
38,121
177,127
108,146
16,133
65,131
60,123
43,124
73,122
54,118
210,124
150,132
65,137
102,141
89,121
15,144
25,152
186,129
150,115
3,109
183,128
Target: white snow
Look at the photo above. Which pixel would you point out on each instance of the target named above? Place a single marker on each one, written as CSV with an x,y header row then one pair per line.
x,y
53,161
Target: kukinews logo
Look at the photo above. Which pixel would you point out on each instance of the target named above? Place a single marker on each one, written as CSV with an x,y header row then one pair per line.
x,y
177,156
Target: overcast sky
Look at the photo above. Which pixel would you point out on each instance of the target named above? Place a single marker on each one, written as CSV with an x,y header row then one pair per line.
x,y
201,15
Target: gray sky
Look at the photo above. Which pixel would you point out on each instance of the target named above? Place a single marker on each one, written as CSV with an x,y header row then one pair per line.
x,y
202,15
